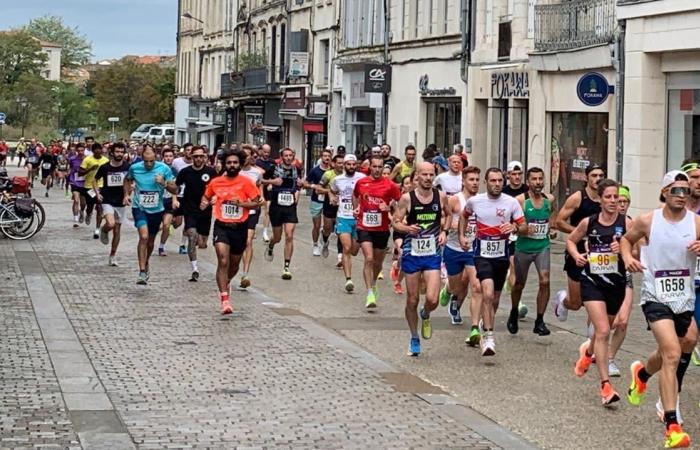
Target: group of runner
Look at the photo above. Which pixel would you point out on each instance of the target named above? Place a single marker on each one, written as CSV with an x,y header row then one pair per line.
x,y
449,240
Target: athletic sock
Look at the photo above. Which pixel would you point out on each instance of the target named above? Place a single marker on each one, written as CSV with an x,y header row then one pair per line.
x,y
194,266
670,418
414,335
348,278
286,263
643,375
683,364
370,291
76,218
223,296
325,238
540,318
602,383
161,247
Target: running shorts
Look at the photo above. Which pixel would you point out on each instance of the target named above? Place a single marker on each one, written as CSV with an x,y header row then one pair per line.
x,y
200,222
379,239
654,311
522,262
150,220
492,269
613,296
119,212
253,218
456,261
572,270
279,215
411,264
235,235
346,226
315,208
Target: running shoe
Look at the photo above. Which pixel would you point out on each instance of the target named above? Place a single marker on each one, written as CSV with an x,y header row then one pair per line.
x,y
695,356
426,330
162,252
394,274
444,296
474,338
88,218
560,310
113,261
541,329
324,250
195,276
371,300
226,307
676,437
380,276
349,286
488,345
81,217
142,279
608,395
104,236
96,234
398,289
584,361
638,388
75,225
182,250
414,347
269,254
512,323
266,237
316,251
245,282
613,370
454,312
286,274
47,194
339,264
660,410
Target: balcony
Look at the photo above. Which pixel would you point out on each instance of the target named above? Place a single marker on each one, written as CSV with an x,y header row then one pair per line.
x,y
574,24
251,82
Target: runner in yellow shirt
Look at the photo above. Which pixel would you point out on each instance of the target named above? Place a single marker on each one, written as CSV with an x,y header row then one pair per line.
x,y
88,169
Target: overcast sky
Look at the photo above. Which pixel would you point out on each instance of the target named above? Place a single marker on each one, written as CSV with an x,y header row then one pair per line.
x,y
115,27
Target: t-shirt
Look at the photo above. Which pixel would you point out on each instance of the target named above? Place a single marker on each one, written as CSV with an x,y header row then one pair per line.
x,y
227,189
195,182
254,174
514,192
283,195
91,164
448,183
112,179
391,162
76,180
314,177
148,195
265,164
344,186
47,161
371,194
490,214
179,164
32,155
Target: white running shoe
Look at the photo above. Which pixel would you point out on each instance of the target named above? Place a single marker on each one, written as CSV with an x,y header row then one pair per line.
x,y
488,345
660,411
266,237
613,370
317,250
560,311
113,261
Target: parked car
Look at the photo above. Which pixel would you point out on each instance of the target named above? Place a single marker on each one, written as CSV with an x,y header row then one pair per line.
x,y
141,132
160,133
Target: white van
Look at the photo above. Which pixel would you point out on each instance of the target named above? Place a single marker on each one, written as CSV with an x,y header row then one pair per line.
x,y
141,132
161,133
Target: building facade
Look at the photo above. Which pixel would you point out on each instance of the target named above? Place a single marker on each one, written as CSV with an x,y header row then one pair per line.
x,y
52,68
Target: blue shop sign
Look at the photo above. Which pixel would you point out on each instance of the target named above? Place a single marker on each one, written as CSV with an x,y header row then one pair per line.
x,y
593,89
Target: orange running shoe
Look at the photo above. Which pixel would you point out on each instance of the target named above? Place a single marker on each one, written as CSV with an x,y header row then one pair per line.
x,y
638,388
584,361
226,307
608,394
676,437
394,274
398,289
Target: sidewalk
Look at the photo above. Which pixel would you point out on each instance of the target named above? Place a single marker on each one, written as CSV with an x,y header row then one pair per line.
x,y
100,362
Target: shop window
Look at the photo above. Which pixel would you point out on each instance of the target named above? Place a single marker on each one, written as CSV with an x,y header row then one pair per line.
x,y
443,127
683,126
578,139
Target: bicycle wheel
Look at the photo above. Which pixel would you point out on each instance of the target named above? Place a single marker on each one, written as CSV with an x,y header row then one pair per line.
x,y
14,229
40,213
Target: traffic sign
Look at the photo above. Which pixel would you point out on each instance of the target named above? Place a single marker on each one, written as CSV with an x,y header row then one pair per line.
x,y
2,117
113,119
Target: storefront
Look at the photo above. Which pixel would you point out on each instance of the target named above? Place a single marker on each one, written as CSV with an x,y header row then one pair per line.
x,y
315,130
683,137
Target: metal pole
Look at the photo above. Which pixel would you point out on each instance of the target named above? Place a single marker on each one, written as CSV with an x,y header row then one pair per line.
x,y
620,100
385,96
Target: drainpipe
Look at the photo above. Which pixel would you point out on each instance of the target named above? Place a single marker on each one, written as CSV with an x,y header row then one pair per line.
x,y
385,99
466,19
619,62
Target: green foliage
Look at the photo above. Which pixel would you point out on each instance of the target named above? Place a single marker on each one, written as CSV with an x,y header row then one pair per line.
x,y
246,61
20,54
76,49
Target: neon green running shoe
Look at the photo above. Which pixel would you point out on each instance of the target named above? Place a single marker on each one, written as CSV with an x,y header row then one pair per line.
x,y
474,338
371,300
444,296
638,388
426,329
695,356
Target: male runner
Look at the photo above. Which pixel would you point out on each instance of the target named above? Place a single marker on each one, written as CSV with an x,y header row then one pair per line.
x,y
533,246
47,163
77,185
497,216
254,173
424,210
170,204
284,197
267,165
667,263
111,197
691,167
88,169
459,261
390,160
184,160
330,210
513,187
404,168
233,197
316,203
197,221
150,179
374,195
450,182
341,191
577,207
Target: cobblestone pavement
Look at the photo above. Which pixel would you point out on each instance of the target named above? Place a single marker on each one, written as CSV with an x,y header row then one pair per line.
x,y
105,363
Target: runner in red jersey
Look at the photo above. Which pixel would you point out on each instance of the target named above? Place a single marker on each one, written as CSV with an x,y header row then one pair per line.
x,y
372,199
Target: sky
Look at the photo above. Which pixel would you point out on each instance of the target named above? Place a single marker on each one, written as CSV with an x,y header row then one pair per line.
x,y
115,27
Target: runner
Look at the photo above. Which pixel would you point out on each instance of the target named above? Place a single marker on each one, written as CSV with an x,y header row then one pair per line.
x,y
667,263
284,197
578,206
404,168
513,187
423,209
533,246
88,169
372,198
396,274
232,197
450,182
497,216
316,203
603,280
32,163
62,169
77,185
48,163
111,197
170,203
255,174
459,261
341,191
21,150
267,165
179,163
330,210
195,178
150,179
390,161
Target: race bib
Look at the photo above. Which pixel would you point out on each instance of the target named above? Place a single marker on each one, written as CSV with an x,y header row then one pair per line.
x,y
423,246
231,211
602,263
79,177
149,199
372,219
115,179
541,229
321,197
46,166
671,285
492,248
345,209
285,199
92,193
32,159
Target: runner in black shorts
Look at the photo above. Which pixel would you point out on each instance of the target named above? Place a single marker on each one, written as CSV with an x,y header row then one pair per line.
x,y
254,173
47,164
330,211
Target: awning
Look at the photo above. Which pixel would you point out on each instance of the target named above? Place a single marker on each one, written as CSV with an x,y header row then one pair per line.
x,y
271,129
209,128
314,127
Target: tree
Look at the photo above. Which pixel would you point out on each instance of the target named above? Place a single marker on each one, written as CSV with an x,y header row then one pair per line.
x,y
73,107
20,54
76,49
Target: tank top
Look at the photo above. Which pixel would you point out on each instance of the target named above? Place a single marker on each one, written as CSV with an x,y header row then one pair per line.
x,y
453,235
428,216
669,266
539,218
587,208
405,170
604,268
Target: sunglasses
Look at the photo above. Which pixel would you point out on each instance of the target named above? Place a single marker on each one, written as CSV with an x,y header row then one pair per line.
x,y
679,191
199,156
690,166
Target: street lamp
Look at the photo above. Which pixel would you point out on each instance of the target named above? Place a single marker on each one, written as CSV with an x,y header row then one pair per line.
x,y
23,103
187,15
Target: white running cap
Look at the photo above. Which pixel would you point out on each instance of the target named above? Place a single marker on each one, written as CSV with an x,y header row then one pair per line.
x,y
670,178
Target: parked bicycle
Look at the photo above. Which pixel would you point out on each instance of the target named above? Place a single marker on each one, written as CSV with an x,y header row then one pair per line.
x,y
21,217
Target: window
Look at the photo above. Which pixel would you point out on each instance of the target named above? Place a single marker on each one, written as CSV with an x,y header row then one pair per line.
x,y
504,41
416,17
255,42
263,41
325,60
283,50
445,15
273,53
683,126
443,127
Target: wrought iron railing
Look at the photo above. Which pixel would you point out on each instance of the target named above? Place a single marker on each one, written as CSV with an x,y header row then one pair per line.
x,y
574,24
